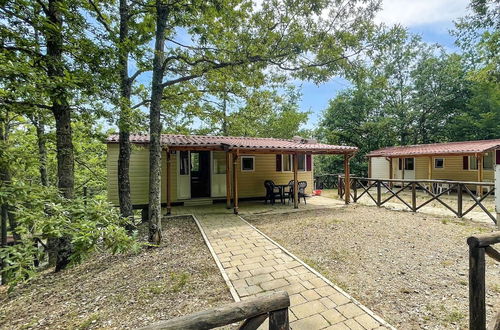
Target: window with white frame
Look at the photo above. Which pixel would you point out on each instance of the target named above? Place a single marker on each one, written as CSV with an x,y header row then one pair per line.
x,y
287,163
247,163
472,163
302,162
488,161
438,162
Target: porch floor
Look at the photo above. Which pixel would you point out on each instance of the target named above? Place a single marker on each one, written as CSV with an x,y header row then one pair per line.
x,y
256,265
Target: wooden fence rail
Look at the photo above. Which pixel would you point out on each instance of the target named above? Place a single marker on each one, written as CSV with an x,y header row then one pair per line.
x,y
364,186
480,245
252,311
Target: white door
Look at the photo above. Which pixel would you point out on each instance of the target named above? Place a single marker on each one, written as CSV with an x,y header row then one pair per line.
x,y
183,175
218,170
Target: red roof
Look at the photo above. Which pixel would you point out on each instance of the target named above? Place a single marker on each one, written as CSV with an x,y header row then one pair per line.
x,y
465,147
232,142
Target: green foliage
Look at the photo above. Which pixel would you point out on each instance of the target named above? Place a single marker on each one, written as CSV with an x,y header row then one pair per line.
x,y
42,214
409,93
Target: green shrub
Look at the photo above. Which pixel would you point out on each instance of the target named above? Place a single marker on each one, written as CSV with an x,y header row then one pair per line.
x,y
42,214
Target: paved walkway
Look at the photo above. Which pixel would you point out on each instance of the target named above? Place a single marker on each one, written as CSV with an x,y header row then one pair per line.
x,y
256,266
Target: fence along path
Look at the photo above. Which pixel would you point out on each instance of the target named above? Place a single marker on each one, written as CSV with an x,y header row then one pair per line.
x,y
373,189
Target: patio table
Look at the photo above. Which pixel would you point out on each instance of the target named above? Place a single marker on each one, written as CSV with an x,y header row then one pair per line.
x,y
282,188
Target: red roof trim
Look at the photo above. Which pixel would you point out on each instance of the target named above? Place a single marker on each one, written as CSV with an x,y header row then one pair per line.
x,y
244,143
463,147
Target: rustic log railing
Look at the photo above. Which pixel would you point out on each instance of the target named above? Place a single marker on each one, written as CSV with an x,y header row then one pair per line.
x,y
480,245
253,312
326,181
461,187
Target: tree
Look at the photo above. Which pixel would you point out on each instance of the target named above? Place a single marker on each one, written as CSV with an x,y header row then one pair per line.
x,y
308,39
52,56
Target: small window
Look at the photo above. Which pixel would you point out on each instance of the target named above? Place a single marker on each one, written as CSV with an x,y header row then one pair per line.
x,y
184,162
302,162
195,162
472,163
488,161
409,164
438,162
247,163
287,163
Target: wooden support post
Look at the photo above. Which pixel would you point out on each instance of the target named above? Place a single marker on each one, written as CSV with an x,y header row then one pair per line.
x,y
347,179
228,180
235,182
379,193
278,320
369,168
403,162
477,291
169,183
355,190
460,201
479,189
429,173
391,170
414,197
295,181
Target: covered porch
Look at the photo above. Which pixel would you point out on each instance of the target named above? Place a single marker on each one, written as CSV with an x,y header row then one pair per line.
x,y
239,155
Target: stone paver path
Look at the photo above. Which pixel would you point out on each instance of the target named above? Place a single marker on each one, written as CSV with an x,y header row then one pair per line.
x,y
257,266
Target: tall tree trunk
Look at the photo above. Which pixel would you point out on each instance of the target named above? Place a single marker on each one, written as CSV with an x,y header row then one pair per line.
x,y
124,121
62,114
155,234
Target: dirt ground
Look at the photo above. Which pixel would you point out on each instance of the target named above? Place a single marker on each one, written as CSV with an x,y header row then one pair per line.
x,y
125,291
411,269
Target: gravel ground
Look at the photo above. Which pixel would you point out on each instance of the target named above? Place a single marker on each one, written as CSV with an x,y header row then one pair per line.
x,y
125,291
411,269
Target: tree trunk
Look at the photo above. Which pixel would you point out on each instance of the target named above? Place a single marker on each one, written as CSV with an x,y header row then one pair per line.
x,y
62,114
124,121
155,234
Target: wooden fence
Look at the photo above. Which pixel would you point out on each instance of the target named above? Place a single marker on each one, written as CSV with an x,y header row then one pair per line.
x,y
326,181
480,245
364,186
253,312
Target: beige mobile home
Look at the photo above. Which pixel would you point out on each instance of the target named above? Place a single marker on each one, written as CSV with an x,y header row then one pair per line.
x,y
471,161
203,167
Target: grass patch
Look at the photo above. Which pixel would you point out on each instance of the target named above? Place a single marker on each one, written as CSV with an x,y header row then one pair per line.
x,y
89,321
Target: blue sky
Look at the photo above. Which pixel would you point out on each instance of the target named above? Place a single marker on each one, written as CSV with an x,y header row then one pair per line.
x,y
432,19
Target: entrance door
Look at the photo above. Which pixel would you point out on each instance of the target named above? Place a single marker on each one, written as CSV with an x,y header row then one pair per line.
x,y
183,175
200,174
218,174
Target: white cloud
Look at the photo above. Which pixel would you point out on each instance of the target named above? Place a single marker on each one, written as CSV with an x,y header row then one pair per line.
x,y
418,12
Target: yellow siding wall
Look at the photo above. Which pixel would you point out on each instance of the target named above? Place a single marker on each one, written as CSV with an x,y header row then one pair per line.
x,y
453,170
251,184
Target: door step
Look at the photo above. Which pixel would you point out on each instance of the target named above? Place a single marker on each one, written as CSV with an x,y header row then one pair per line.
x,y
201,201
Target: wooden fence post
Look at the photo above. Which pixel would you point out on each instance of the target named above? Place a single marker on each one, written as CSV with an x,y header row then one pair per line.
x,y
477,291
278,320
355,183
460,201
414,196
379,193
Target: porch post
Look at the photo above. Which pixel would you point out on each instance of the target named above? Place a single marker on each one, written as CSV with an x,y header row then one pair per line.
x,y
369,168
235,181
347,179
228,180
391,170
479,189
295,181
169,185
429,172
497,184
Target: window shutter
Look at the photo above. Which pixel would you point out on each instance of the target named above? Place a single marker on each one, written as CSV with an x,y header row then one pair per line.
x,y
466,162
498,157
278,163
400,163
308,162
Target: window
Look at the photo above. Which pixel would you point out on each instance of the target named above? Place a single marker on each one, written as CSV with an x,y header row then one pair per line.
x,y
247,163
302,162
287,163
438,162
184,162
409,164
488,161
195,162
219,162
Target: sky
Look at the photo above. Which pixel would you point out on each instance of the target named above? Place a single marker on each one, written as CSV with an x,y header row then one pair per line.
x,y
431,19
